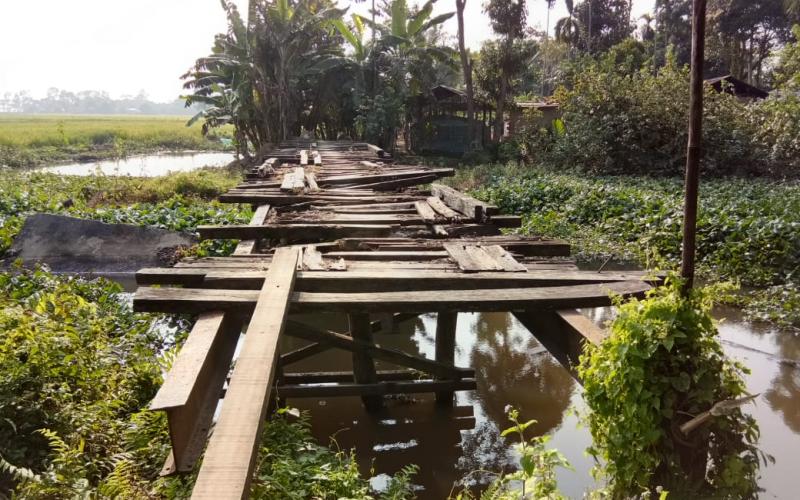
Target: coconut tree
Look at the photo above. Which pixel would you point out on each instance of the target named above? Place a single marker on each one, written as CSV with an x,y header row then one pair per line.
x,y
568,29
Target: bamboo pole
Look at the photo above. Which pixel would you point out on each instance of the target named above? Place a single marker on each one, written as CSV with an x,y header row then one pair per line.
x,y
694,151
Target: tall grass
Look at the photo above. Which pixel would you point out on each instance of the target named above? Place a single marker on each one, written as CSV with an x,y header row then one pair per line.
x,y
31,140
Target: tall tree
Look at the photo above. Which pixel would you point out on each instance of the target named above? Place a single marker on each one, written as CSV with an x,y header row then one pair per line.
x,y
594,26
508,18
466,66
743,35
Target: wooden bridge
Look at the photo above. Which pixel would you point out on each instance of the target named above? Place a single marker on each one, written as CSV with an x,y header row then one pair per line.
x,y
340,227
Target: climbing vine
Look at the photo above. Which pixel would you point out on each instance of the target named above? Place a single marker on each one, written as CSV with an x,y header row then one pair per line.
x,y
662,366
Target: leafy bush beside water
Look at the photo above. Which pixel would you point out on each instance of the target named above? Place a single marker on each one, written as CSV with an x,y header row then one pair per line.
x,y
79,368
748,229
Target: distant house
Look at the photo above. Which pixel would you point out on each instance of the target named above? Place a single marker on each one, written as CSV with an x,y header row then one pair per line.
x,y
739,88
440,126
547,112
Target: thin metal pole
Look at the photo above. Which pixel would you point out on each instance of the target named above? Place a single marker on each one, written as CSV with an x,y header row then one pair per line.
x,y
694,151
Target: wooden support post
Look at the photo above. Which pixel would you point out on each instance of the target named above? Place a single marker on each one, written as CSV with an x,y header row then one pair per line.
x,y
231,453
191,389
363,363
446,348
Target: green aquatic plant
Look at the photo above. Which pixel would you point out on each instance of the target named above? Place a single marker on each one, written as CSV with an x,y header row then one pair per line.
x,y
536,475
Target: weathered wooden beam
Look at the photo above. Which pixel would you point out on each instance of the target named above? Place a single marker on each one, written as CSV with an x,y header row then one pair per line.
x,y
472,208
376,279
229,460
383,177
563,332
301,354
426,212
363,364
194,300
295,232
561,297
376,390
347,377
446,349
448,213
340,341
191,388
399,183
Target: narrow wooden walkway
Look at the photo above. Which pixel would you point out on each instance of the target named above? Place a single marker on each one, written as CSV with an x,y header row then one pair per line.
x,y
340,227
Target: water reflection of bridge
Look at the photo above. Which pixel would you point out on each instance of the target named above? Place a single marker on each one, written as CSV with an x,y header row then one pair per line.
x,y
339,229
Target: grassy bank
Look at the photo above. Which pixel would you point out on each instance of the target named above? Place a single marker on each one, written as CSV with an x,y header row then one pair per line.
x,y
33,140
179,201
79,369
748,229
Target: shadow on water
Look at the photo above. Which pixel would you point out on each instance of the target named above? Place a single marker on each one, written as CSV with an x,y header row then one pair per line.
x,y
144,165
513,368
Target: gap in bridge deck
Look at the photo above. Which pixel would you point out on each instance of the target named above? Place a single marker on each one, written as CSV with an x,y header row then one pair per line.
x,y
511,366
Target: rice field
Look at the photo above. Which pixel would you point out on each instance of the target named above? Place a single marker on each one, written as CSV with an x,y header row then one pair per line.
x,y
33,140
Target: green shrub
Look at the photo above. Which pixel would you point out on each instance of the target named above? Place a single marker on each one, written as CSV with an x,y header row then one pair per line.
x,y
618,122
662,365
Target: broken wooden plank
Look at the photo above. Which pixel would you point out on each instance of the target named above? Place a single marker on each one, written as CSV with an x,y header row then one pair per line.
x,y
295,181
504,259
465,261
438,205
229,460
267,168
312,259
479,255
472,208
246,247
583,326
425,211
191,388
311,180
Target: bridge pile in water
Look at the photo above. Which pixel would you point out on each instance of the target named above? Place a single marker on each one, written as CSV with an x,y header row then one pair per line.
x,y
340,227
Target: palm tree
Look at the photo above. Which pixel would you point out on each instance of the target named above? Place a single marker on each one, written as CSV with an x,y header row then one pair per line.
x,y
568,29
287,50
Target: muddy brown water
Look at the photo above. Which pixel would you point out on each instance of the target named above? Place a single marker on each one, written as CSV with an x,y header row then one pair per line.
x,y
513,368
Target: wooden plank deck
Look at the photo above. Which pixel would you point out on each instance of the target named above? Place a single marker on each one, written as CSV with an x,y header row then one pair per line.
x,y
343,227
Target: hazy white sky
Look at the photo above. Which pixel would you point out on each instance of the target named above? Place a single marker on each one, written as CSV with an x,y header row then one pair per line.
x,y
124,47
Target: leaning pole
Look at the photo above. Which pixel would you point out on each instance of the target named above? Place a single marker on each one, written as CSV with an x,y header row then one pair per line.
x,y
694,150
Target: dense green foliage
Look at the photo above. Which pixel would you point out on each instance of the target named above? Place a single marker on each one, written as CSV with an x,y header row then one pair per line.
x,y
747,229
293,466
77,365
31,140
179,202
287,70
619,119
79,368
662,365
